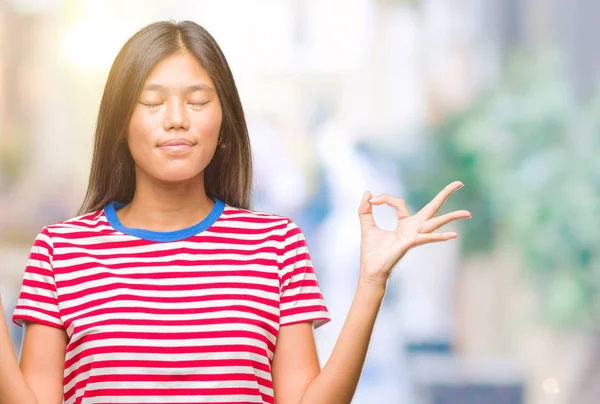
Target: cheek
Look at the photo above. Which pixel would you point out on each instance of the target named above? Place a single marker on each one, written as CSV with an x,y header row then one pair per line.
x,y
209,123
139,137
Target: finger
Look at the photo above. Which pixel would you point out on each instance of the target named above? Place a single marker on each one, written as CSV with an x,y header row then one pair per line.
x,y
436,203
435,223
365,211
398,203
434,237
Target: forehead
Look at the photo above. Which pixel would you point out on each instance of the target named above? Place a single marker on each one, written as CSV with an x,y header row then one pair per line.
x,y
178,70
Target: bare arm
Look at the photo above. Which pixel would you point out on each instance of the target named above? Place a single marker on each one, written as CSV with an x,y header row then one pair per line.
x,y
39,380
380,251
296,375
295,363
339,378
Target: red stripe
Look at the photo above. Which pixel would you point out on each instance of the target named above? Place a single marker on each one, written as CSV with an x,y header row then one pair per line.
x,y
157,364
179,336
221,391
163,253
159,350
311,320
177,262
192,377
295,259
245,274
39,271
39,285
251,219
300,270
132,378
243,230
181,323
196,310
35,319
81,224
37,298
39,243
36,256
303,283
302,310
303,296
167,288
128,242
268,401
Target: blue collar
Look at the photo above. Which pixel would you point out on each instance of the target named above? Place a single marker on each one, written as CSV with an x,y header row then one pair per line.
x,y
110,210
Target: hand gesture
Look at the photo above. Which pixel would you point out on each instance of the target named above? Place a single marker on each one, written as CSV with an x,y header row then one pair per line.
x,y
382,249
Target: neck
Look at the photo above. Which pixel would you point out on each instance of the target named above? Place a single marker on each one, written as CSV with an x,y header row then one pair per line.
x,y
160,206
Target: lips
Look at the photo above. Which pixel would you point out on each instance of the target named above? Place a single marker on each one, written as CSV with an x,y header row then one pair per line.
x,y
176,146
176,143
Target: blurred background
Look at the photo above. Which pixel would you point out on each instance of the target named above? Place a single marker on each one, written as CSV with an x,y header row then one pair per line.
x,y
393,96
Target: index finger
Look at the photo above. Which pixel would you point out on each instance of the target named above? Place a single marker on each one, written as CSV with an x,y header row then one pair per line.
x,y
436,203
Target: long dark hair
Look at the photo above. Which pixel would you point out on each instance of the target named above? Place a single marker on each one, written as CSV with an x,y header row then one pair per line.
x,y
112,177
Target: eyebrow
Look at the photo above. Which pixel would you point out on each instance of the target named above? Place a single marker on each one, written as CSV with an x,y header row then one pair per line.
x,y
189,89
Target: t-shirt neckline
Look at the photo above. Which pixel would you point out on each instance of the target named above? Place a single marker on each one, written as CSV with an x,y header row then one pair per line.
x,y
110,211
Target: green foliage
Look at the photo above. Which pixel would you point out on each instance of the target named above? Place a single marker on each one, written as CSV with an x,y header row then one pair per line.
x,y
528,153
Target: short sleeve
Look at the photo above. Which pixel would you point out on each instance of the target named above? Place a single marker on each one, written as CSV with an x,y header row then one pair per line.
x,y
301,297
38,298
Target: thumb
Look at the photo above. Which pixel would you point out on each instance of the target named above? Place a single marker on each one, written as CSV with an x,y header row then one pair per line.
x,y
365,212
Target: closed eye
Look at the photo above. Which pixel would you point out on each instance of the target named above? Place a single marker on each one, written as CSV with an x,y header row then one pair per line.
x,y
197,104
151,106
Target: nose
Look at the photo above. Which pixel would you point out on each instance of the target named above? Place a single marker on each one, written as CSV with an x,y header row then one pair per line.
x,y
176,116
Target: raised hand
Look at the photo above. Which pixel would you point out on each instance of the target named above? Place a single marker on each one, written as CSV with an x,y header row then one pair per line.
x,y
381,249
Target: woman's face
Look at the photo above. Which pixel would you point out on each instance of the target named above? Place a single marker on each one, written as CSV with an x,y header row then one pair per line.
x,y
175,125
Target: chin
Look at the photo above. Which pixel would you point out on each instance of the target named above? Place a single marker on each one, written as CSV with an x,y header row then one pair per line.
x,y
176,176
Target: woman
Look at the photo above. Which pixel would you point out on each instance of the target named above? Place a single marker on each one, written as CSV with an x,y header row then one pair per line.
x,y
166,287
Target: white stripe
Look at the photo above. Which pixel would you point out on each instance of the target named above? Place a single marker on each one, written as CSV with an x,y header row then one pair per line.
x,y
178,281
121,238
114,294
267,226
91,272
175,329
172,357
199,258
301,303
299,251
222,343
177,317
39,305
174,399
212,370
303,317
76,228
303,276
36,315
80,245
38,264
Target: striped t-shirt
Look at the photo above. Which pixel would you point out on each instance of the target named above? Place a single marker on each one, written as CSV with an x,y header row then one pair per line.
x,y
189,316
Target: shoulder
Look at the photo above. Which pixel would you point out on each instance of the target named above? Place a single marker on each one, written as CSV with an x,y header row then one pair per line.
x,y
44,242
239,215
277,227
89,222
